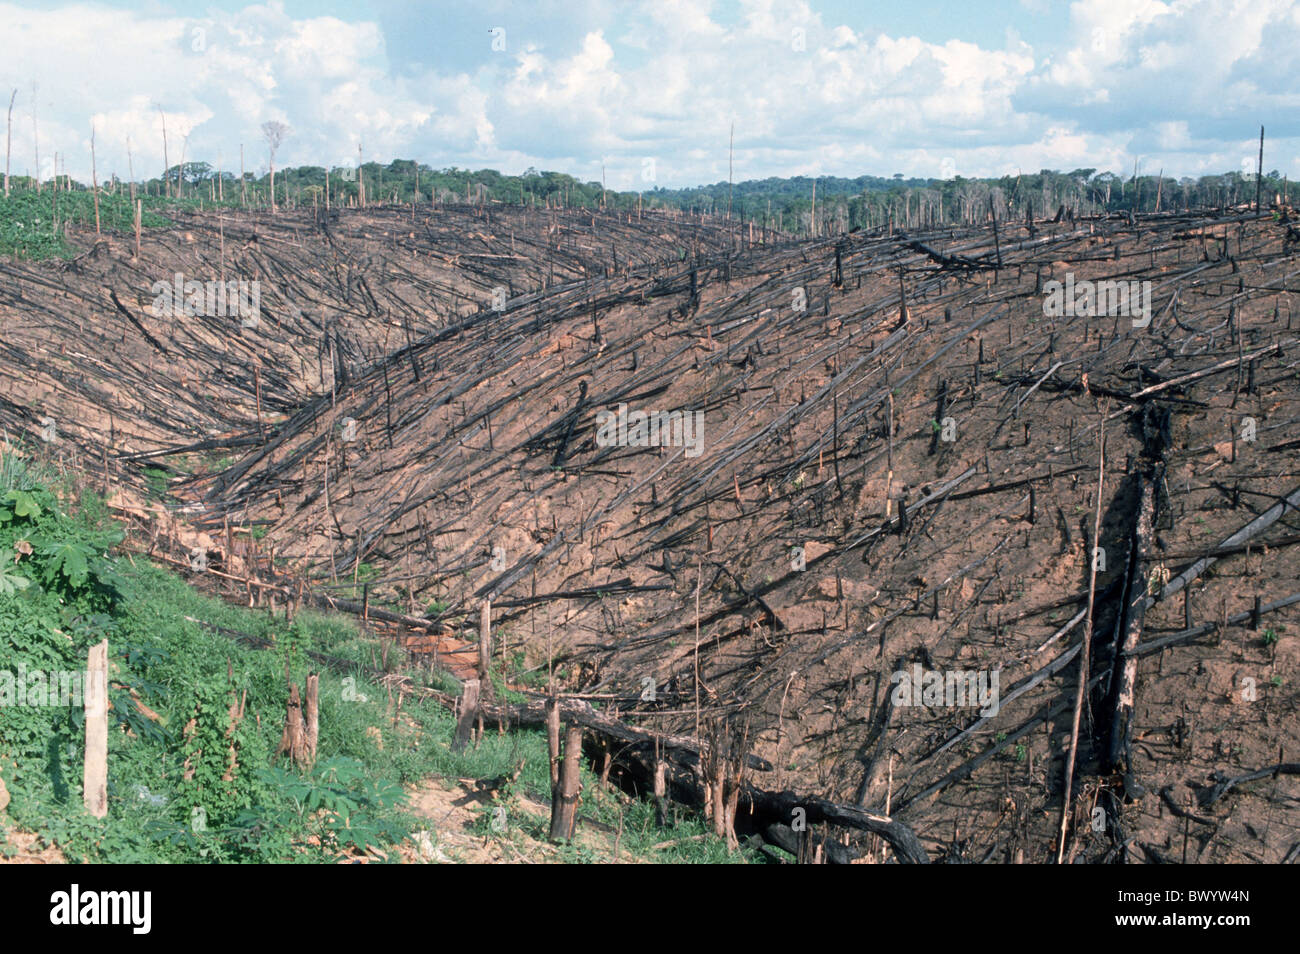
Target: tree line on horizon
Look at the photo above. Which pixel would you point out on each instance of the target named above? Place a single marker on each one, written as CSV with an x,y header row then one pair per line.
x,y
799,205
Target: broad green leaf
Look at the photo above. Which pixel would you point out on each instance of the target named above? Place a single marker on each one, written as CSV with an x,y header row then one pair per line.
x,y
10,581
69,558
25,504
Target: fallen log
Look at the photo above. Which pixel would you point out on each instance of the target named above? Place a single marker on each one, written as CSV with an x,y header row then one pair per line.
x,y
1130,631
782,805
787,839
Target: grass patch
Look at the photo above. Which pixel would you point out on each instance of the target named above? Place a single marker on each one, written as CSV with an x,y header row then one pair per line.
x,y
175,673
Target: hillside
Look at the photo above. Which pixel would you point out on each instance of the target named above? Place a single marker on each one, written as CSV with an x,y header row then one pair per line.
x,y
895,470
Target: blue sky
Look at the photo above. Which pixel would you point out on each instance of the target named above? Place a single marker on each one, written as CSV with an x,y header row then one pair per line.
x,y
649,90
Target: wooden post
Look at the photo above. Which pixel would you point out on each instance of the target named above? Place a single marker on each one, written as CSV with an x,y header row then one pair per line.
x,y
564,797
484,639
468,712
94,786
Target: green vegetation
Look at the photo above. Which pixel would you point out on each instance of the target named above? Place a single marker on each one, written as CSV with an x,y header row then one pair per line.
x,y
179,661
31,223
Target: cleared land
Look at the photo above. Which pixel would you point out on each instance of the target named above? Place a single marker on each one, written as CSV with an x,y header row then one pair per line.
x,y
898,468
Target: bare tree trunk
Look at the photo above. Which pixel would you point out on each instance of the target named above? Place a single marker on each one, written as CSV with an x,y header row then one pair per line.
x,y
1086,646
1259,169
180,168
94,179
1125,678
130,171
553,738
484,639
661,792
9,132
731,151
36,142
812,217
298,740
469,709
361,180
313,716
167,189
564,797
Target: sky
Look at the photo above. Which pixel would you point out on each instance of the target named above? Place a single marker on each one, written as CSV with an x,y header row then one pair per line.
x,y
648,93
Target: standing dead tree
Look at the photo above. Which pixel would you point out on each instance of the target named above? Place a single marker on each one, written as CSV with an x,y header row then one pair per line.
x,y
301,729
166,164
94,179
1086,646
565,772
130,172
274,131
9,134
36,141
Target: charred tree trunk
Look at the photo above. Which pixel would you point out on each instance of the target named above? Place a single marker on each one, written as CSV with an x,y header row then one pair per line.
x,y
564,794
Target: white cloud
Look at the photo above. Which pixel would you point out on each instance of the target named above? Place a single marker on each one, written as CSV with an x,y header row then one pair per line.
x,y
1178,82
